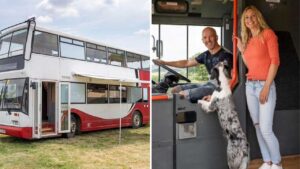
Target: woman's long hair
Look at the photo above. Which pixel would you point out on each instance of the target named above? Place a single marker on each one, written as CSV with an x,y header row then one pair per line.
x,y
246,33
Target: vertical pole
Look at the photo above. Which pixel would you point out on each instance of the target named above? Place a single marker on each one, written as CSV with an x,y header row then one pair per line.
x,y
235,19
120,129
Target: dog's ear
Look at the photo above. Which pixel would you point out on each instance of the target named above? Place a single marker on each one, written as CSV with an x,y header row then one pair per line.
x,y
214,74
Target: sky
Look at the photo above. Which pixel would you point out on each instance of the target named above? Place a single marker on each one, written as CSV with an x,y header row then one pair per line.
x,y
120,23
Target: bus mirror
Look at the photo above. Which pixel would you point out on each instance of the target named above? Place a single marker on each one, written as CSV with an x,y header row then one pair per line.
x,y
154,46
159,48
33,85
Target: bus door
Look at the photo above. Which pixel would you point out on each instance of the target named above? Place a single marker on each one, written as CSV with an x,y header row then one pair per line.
x,y
64,116
36,90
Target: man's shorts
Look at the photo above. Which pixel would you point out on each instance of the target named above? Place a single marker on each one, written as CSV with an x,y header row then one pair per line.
x,y
194,92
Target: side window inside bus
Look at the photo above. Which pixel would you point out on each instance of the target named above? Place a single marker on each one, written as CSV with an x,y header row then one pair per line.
x,y
45,43
134,60
97,93
96,53
72,48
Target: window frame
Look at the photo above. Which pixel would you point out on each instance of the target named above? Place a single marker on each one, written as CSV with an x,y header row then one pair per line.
x,y
119,94
85,93
134,54
84,46
96,48
12,34
26,85
116,52
107,89
57,42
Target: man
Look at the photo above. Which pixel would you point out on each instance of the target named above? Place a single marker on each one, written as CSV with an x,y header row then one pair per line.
x,y
209,58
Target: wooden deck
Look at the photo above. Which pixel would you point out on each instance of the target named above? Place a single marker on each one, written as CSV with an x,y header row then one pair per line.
x,y
288,162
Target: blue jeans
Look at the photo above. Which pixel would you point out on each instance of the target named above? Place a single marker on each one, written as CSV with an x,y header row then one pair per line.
x,y
262,117
194,92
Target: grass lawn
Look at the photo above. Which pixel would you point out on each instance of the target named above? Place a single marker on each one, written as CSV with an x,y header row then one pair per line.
x,y
91,150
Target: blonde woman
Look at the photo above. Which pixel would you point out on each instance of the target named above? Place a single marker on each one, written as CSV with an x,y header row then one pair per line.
x,y
259,48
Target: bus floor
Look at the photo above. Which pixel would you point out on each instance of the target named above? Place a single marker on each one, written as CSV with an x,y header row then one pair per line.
x,y
288,162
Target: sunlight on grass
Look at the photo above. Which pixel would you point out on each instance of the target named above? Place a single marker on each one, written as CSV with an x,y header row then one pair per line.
x,y
88,150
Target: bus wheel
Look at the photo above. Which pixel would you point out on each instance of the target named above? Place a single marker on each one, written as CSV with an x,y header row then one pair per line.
x,y
137,120
74,127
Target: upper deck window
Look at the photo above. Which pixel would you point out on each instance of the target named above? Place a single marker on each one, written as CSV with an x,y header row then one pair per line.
x,y
145,63
116,57
134,60
4,45
96,53
45,43
72,48
13,44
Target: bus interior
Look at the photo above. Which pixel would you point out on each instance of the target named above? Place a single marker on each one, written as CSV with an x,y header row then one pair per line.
x,y
176,34
48,107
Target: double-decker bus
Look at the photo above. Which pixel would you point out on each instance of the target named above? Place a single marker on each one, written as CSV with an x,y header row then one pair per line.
x,y
54,84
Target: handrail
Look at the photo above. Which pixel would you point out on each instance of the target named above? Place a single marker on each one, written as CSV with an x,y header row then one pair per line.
x,y
234,72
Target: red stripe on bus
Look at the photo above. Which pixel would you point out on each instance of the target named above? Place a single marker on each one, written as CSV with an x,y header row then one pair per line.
x,y
21,132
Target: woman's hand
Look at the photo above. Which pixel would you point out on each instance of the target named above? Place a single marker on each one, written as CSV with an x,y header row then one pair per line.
x,y
240,45
264,93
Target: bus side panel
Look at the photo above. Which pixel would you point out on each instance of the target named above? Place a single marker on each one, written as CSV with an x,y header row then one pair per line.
x,y
91,123
21,132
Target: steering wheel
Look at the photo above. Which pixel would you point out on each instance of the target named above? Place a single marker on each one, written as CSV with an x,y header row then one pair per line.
x,y
175,73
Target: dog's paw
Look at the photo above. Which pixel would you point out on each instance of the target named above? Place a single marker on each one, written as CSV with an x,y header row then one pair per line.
x,y
201,101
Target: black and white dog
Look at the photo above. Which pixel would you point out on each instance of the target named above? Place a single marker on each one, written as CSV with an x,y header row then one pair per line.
x,y
222,102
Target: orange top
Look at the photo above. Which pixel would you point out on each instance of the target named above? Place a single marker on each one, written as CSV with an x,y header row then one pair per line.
x,y
261,51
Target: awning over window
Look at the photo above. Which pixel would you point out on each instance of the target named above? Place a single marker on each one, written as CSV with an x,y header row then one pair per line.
x,y
109,78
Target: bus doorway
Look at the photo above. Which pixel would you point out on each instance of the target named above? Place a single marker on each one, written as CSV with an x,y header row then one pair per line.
x,y
48,108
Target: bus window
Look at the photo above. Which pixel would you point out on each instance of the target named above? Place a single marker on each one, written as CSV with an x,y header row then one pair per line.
x,y
45,43
114,94
198,74
154,36
72,49
13,94
13,44
175,47
95,54
4,46
78,93
18,41
116,57
97,93
145,63
145,94
133,60
2,87
134,94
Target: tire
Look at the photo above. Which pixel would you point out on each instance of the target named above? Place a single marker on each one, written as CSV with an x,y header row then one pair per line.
x,y
75,127
137,120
